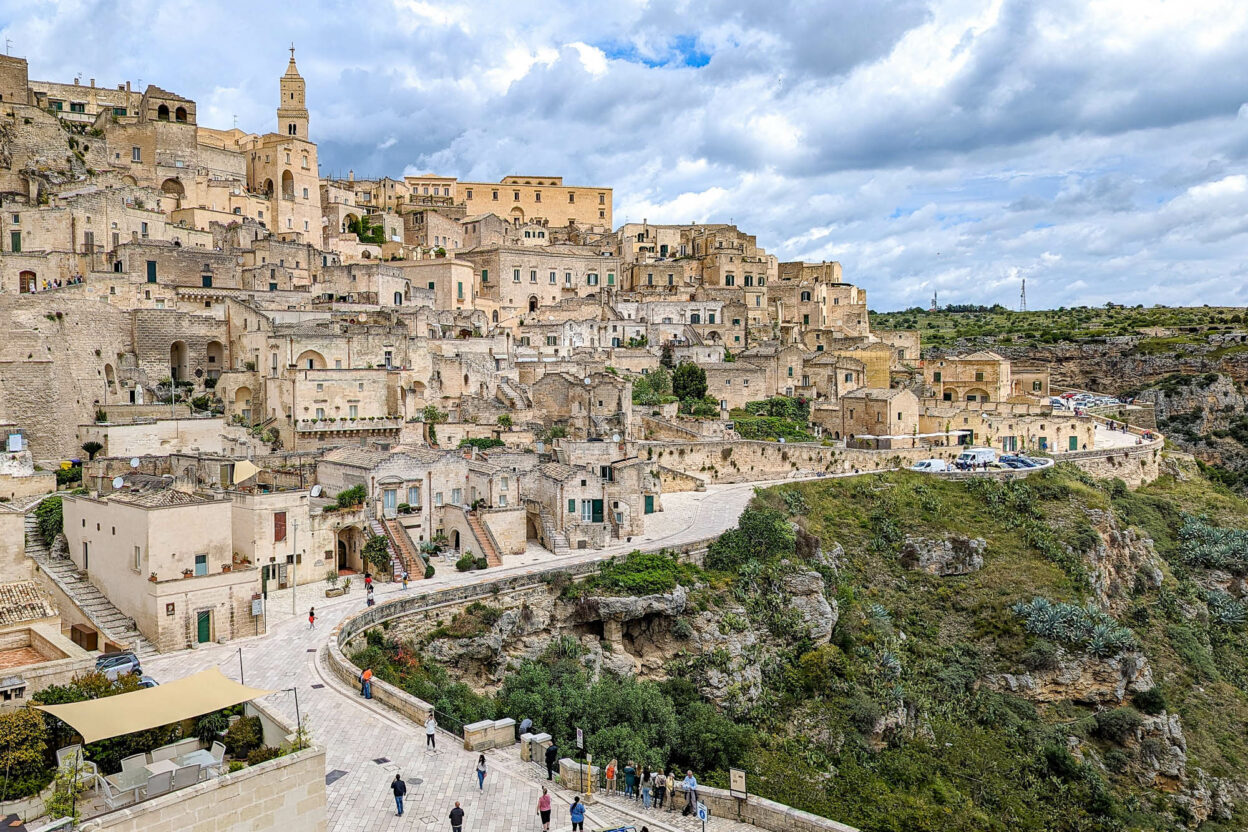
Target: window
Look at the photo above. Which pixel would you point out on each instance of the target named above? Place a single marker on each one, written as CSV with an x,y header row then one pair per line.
x,y
730,280
201,564
979,376
591,279
515,196
515,275
537,196
936,376
736,322
136,154
320,388
495,197
790,372
1037,386
849,377
806,320
143,229
602,199
457,496
502,500
745,382
602,215
553,279
749,280
151,271
571,506
320,413
305,193
805,297
485,275
532,275
77,107
138,559
468,193
571,198
610,279
279,526
567,278
413,495
119,111
552,340
15,242
353,411
502,483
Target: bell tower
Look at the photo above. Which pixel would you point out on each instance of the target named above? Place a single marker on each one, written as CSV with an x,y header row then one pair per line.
x,y
292,110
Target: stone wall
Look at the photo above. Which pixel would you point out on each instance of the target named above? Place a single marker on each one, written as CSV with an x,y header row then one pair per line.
x,y
288,792
760,812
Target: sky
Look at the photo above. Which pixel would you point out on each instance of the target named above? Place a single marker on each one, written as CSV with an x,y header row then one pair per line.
x,y
1097,149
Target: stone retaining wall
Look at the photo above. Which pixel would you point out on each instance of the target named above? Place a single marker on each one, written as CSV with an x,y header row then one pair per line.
x,y
761,812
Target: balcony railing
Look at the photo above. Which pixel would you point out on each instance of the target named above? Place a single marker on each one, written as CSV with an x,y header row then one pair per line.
x,y
342,425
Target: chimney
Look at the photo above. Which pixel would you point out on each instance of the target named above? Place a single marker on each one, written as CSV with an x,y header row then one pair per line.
x,y
350,176
93,82
127,86
121,87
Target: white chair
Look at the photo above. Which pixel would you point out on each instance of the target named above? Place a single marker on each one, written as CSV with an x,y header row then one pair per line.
x,y
158,784
113,798
186,746
186,776
134,761
165,752
70,757
218,755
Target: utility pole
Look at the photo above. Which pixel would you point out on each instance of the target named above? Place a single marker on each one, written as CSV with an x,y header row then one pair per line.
x,y
294,565
1022,297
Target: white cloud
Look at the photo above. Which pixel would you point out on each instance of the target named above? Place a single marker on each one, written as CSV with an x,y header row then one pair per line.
x,y
1099,149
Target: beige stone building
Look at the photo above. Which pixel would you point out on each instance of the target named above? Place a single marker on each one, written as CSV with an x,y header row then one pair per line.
x,y
879,418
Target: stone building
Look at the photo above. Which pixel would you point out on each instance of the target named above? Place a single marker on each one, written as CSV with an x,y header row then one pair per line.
x,y
879,418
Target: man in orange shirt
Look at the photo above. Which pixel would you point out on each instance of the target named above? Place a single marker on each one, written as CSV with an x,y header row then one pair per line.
x,y
366,683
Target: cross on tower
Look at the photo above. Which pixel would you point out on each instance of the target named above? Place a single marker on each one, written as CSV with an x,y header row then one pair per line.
x,y
292,50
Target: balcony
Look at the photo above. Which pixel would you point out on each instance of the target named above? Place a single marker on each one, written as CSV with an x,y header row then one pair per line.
x,y
384,423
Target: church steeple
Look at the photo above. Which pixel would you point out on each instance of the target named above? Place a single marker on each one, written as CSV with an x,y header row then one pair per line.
x,y
292,110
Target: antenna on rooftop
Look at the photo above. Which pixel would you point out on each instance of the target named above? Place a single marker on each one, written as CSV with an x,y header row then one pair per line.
x,y
935,301
1022,297
7,44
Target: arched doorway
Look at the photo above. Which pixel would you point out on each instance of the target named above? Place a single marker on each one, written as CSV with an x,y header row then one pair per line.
x,y
517,215
288,185
173,188
27,281
398,298
110,378
177,360
242,403
310,360
455,540
532,303
216,359
268,188
162,112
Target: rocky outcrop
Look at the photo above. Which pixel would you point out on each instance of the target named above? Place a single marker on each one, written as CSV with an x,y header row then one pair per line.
x,y
1162,752
819,615
1121,559
1080,678
627,608
955,555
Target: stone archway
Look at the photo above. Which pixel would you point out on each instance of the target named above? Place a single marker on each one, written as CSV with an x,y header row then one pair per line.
x,y
178,369
310,360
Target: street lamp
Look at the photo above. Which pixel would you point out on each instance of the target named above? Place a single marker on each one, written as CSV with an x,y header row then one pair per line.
x,y
298,718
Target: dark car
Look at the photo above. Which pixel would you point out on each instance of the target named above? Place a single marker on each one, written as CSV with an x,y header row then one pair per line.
x,y
1015,461
113,665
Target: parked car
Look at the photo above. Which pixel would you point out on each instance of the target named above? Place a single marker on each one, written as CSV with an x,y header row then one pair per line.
x,y
930,465
148,682
113,665
975,458
1015,461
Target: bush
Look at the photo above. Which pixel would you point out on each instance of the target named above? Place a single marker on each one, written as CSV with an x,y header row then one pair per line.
x,y
428,571
66,476
49,518
466,562
1151,701
482,444
1061,763
862,713
22,749
209,725
1042,655
353,496
262,755
377,553
244,736
482,562
1116,760
682,629
1118,725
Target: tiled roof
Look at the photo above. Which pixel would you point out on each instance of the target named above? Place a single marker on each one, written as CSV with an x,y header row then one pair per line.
x,y
158,499
558,471
22,601
875,393
359,457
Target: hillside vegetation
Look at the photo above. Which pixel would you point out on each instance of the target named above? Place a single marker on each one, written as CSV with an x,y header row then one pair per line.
x,y
1050,654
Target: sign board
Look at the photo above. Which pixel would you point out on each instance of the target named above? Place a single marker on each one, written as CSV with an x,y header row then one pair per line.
x,y
703,812
257,607
580,739
736,782
15,442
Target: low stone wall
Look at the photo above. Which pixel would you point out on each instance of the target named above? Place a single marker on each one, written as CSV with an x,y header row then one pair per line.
x,y
286,793
490,733
761,812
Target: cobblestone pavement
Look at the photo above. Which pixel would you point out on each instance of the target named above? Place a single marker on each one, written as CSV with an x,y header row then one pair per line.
x,y
367,744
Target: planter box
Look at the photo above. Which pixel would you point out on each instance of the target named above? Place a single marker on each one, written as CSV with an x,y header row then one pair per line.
x,y
334,592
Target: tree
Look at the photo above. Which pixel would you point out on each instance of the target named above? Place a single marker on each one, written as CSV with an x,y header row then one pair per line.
x,y
504,421
689,381
377,552
668,358
92,448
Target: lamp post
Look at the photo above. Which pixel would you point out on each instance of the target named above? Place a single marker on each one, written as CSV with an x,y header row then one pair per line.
x,y
298,718
241,681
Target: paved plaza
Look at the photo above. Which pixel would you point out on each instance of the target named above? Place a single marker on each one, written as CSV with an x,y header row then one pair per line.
x,y
367,744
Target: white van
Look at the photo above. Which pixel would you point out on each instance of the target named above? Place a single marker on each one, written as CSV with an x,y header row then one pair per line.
x,y
930,465
975,458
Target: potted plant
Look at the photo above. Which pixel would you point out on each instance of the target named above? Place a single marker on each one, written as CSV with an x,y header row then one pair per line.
x,y
225,567
152,577
188,572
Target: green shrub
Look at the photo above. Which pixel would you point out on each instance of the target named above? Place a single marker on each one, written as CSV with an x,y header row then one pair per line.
x,y
428,571
682,629
482,443
1151,701
466,562
862,713
22,747
1116,760
48,515
262,755
482,563
377,553
353,496
244,736
1041,655
1118,725
209,725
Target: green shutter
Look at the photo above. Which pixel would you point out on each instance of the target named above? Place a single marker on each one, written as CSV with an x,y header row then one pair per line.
x,y
571,506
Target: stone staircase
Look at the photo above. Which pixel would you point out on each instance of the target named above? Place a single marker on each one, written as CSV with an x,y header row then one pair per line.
x,y
485,540
558,540
55,563
403,551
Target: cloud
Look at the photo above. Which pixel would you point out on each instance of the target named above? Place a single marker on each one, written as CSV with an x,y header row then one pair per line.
x,y
1100,150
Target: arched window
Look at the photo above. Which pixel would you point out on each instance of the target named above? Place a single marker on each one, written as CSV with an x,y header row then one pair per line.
x,y
180,115
162,112
398,298
290,129
805,297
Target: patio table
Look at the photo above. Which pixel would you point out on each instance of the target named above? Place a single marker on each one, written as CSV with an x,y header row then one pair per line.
x,y
161,766
129,781
200,758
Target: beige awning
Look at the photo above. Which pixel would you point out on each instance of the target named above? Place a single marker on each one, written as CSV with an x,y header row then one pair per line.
x,y
126,713
243,471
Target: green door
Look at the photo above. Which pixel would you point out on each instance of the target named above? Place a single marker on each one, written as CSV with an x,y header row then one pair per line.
x,y
203,622
595,511
649,504
1074,443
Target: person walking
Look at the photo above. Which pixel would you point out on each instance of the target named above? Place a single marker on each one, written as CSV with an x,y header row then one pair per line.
x,y
457,818
660,789
612,768
543,809
670,780
400,789
691,792
405,580
431,730
630,780
577,811
552,756
366,683
481,772
645,788
312,618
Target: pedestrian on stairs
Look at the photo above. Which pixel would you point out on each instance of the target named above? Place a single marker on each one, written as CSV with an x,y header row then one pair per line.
x,y
312,618
543,809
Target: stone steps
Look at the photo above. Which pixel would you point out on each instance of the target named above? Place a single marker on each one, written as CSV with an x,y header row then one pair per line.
x,y
112,622
483,541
